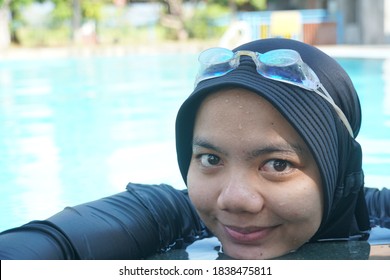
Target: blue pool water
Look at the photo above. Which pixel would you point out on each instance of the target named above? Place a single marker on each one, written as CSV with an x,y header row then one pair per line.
x,y
77,129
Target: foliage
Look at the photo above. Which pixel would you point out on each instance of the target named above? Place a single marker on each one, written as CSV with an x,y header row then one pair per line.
x,y
16,5
41,36
60,17
207,21
251,4
130,35
62,10
242,5
91,9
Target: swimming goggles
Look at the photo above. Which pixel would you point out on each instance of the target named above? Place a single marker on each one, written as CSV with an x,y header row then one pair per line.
x,y
283,65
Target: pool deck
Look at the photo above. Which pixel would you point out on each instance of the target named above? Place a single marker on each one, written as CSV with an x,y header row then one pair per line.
x,y
347,51
357,51
104,50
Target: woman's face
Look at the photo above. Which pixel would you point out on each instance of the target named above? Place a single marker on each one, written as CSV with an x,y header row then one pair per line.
x,y
252,178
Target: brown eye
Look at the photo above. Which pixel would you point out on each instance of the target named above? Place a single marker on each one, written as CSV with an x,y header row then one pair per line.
x,y
280,165
208,160
277,165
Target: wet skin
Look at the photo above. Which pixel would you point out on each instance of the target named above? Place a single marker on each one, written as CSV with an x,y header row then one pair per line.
x,y
252,178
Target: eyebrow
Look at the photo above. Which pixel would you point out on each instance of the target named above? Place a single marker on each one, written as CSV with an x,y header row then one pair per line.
x,y
287,148
202,143
284,148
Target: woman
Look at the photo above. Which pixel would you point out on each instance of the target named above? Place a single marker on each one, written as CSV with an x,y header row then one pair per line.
x,y
318,191
266,145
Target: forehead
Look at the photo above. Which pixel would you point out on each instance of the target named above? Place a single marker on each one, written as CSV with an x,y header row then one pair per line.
x,y
233,96
237,105
242,118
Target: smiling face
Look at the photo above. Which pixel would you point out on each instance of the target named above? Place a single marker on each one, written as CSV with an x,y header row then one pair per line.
x,y
252,178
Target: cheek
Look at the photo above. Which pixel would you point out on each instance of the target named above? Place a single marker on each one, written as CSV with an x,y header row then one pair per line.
x,y
199,191
304,204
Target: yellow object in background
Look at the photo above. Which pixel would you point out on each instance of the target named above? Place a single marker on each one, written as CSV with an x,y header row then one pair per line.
x,y
286,24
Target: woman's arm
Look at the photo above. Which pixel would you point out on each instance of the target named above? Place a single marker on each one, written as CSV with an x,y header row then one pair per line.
x,y
135,224
378,204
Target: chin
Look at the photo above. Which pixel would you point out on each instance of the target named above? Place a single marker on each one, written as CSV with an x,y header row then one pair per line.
x,y
247,252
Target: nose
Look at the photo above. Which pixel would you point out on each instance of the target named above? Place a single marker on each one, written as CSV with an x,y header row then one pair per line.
x,y
241,192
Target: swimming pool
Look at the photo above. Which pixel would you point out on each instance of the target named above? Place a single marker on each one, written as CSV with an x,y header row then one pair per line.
x,y
76,129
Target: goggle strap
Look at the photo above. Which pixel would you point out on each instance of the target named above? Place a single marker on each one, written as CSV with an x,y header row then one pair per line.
x,y
324,94
344,120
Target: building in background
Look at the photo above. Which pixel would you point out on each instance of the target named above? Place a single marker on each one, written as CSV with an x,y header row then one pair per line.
x,y
322,22
364,21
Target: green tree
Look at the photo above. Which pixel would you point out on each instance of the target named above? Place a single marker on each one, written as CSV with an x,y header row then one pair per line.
x,y
65,11
14,7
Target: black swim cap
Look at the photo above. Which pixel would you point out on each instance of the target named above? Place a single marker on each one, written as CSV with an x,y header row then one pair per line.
x,y
337,154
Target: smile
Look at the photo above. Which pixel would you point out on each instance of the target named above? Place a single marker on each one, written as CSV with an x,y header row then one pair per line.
x,y
248,234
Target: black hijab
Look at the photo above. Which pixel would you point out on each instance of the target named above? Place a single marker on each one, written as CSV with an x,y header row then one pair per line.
x,y
337,154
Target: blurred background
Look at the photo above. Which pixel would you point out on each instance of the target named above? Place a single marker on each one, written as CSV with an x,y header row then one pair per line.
x,y
37,23
90,89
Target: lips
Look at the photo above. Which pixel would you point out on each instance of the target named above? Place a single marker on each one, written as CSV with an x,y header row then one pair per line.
x,y
248,234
